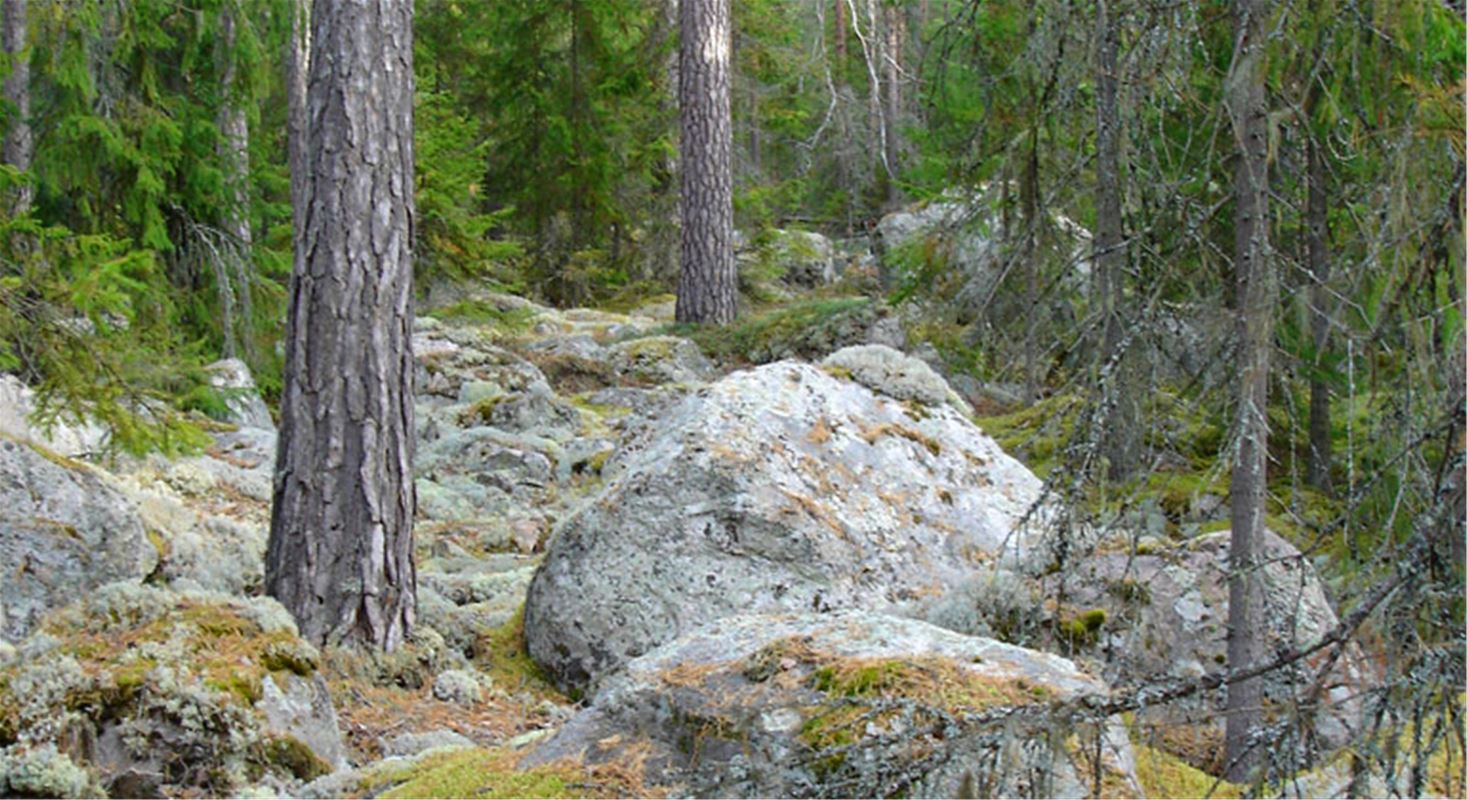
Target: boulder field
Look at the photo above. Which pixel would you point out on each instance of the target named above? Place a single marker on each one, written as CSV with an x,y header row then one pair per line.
x,y
808,577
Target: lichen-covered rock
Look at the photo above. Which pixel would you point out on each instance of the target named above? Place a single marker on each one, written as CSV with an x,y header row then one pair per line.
x,y
850,704
802,259
232,379
895,374
43,772
64,529
70,438
1166,613
780,488
660,359
155,691
458,686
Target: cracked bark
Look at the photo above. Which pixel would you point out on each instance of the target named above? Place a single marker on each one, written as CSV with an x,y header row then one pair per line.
x,y
708,288
340,553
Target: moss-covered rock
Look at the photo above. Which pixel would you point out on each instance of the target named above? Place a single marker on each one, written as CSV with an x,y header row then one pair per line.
x,y
153,690
849,704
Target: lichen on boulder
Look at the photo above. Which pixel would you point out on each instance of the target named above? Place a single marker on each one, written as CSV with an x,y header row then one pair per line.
x,y
152,690
850,704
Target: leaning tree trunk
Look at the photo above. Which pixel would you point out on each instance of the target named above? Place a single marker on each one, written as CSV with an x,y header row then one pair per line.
x,y
1120,432
1256,292
708,288
340,555
19,146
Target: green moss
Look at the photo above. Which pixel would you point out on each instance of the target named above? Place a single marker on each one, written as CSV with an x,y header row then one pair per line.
x,y
771,333
1039,434
501,653
478,773
291,755
1130,591
511,321
1164,775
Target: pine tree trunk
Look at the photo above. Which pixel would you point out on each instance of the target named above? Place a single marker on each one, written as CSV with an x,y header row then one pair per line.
x,y
1120,431
841,24
234,156
1256,292
18,146
891,113
340,555
298,68
708,288
1317,213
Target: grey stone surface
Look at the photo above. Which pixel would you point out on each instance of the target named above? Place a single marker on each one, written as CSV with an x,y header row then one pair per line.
x,y
729,709
232,379
780,488
895,374
302,709
411,744
64,530
660,359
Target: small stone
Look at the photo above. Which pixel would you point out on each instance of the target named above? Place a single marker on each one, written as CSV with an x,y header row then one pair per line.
x,y
458,686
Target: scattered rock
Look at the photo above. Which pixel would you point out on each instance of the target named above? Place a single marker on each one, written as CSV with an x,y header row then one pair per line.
x,y
660,359
411,744
458,686
780,488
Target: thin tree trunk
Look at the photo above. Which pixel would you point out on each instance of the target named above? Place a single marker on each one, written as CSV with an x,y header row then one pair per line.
x,y
298,68
1120,431
841,24
1317,213
18,146
892,66
1256,292
234,155
708,288
340,554
1029,255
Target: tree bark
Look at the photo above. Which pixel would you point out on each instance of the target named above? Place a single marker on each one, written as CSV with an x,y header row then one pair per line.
x,y
1120,432
1257,292
298,67
340,554
891,114
234,155
708,288
840,40
1317,214
19,146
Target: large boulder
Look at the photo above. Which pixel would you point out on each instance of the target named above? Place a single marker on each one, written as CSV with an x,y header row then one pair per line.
x,y
781,488
64,530
850,704
18,405
1165,608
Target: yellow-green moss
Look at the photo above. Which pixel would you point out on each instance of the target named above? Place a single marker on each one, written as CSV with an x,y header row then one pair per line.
x,y
758,335
295,757
1164,775
501,653
510,321
478,773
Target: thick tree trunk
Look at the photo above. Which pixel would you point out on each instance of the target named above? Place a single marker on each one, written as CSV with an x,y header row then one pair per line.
x,y
234,156
1120,432
18,146
1257,292
708,288
1317,215
340,555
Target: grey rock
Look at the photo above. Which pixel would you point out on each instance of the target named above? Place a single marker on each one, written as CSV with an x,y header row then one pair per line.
x,y
728,710
411,744
1167,611
63,436
458,686
780,488
64,530
232,379
661,359
895,374
302,709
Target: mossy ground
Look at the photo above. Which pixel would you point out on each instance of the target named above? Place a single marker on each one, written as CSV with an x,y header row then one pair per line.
x,y
762,333
1165,775
508,322
481,773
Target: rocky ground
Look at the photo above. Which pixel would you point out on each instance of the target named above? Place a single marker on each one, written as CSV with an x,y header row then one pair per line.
x,y
783,562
